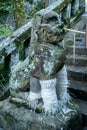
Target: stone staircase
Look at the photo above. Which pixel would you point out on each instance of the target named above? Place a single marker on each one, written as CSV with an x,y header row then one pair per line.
x,y
77,74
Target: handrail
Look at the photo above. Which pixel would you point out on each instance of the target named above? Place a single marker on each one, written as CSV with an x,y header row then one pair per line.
x,y
76,31
58,5
9,44
24,31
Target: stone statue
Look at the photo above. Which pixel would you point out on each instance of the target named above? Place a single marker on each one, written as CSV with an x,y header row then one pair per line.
x,y
46,62
43,70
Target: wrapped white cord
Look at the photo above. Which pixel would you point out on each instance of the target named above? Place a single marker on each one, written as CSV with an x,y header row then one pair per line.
x,y
33,99
62,83
48,92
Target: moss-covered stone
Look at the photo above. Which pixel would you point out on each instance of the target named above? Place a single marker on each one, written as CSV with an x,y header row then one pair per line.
x,y
20,118
18,102
8,118
13,41
20,76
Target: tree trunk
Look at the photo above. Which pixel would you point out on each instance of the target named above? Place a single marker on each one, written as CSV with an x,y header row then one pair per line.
x,y
46,3
19,13
19,19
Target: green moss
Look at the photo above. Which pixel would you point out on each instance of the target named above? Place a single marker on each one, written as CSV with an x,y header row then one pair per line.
x,y
21,52
62,5
4,73
25,35
18,102
8,119
73,105
75,121
76,18
38,109
40,6
68,41
19,13
3,53
4,76
2,65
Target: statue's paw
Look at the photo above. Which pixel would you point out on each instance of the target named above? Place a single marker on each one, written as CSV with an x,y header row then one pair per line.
x,y
18,101
51,108
65,98
36,104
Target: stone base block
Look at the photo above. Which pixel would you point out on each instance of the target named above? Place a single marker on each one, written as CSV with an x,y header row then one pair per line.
x,y
21,118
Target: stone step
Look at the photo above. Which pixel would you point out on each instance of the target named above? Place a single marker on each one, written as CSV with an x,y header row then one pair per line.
x,y
77,73
80,41
78,50
83,109
78,89
79,60
84,128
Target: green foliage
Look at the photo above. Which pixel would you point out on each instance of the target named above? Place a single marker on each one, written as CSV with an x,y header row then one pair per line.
x,y
5,6
4,77
21,52
5,31
19,13
30,1
38,7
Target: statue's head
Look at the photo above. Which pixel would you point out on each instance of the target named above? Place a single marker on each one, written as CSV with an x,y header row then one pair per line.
x,y
47,26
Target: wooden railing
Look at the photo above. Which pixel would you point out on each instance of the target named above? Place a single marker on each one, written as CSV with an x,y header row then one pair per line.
x,y
74,37
18,37
75,31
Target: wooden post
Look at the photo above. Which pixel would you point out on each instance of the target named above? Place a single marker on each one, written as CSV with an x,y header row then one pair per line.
x,y
74,49
85,5
86,16
46,3
86,35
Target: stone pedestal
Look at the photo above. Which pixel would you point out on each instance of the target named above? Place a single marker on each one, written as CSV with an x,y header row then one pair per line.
x,y
21,118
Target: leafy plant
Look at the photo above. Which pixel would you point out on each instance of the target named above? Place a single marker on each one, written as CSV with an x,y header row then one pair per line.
x,y
38,7
5,6
5,31
30,1
4,77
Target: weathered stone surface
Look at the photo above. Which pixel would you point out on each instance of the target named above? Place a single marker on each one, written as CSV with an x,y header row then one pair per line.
x,y
11,43
20,76
46,55
43,32
21,34
46,60
58,5
20,118
2,38
46,27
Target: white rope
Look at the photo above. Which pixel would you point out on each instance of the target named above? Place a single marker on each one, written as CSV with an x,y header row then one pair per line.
x,y
48,91
33,99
